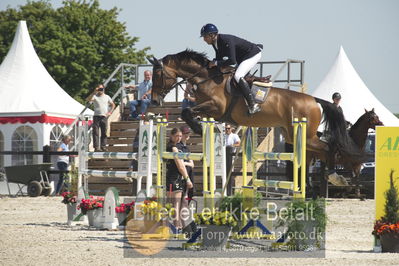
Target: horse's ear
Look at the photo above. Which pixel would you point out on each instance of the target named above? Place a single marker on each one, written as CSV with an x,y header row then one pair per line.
x,y
150,60
157,62
365,110
372,110
154,61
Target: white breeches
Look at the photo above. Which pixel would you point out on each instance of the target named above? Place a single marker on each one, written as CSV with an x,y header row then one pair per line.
x,y
246,66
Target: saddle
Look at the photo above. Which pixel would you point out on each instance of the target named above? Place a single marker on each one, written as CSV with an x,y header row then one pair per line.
x,y
252,78
259,87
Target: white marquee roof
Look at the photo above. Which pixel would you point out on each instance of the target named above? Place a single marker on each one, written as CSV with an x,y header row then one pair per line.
x,y
26,88
356,97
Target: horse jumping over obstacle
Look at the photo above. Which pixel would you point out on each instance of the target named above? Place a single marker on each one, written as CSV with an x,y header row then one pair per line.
x,y
278,110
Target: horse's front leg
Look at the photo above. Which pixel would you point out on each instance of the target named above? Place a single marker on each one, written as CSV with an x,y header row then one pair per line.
x,y
207,108
355,180
333,177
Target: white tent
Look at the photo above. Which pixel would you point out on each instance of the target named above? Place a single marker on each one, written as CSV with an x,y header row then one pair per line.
x,y
32,104
356,97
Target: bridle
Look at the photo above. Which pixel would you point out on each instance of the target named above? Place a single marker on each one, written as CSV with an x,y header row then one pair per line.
x,y
164,77
374,120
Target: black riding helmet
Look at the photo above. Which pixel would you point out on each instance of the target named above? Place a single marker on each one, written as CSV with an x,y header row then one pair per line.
x,y
336,95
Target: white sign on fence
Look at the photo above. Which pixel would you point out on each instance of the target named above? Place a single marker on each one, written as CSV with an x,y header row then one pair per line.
x,y
147,149
220,154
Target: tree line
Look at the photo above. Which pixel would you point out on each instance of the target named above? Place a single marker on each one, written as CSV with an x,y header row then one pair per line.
x,y
80,44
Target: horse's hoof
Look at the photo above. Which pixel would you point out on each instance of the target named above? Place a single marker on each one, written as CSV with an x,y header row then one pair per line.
x,y
343,180
337,180
128,179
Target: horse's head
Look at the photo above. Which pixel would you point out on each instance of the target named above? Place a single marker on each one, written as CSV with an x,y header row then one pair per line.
x,y
373,119
163,80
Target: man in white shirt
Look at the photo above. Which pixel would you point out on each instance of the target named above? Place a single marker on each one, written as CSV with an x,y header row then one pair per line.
x,y
143,95
103,108
232,143
232,139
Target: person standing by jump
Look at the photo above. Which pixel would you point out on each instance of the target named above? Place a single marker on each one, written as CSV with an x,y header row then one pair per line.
x,y
183,147
62,162
232,50
177,179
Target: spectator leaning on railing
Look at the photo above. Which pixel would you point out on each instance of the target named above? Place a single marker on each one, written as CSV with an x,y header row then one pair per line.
x,y
143,95
189,99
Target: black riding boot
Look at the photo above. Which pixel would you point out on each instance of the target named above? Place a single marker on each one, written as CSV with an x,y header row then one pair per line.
x,y
246,91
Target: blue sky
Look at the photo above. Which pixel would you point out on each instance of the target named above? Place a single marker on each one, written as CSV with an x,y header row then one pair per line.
x,y
310,30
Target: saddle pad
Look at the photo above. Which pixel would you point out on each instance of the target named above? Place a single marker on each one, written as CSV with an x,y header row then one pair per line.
x,y
259,90
260,93
263,84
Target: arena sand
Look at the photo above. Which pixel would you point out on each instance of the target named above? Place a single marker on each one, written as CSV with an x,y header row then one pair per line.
x,y
33,231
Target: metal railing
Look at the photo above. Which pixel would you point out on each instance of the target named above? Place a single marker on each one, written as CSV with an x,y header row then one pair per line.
x,y
120,92
289,80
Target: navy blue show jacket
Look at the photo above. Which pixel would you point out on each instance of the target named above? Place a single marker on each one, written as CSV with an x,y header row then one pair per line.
x,y
232,50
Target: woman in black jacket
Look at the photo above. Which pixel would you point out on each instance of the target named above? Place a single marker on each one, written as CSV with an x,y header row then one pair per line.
x,y
177,179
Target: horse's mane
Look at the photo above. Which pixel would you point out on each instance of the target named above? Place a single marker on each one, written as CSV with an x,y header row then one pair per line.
x,y
187,55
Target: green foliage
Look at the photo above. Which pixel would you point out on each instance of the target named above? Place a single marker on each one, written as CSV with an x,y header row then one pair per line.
x,y
216,218
391,202
304,217
297,207
79,43
235,203
232,204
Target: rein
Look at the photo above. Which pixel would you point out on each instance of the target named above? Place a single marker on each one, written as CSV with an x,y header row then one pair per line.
x,y
184,80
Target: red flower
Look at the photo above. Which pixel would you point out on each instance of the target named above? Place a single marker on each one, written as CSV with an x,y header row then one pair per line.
x,y
91,203
125,207
68,198
381,228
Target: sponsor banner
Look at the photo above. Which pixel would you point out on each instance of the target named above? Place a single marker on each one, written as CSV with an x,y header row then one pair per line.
x,y
386,160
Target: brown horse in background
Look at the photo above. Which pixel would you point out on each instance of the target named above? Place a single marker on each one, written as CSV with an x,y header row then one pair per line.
x,y
279,109
358,132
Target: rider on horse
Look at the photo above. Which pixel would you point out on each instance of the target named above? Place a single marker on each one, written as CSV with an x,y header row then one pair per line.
x,y
336,97
232,50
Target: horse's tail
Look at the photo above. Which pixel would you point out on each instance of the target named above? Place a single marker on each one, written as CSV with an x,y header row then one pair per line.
x,y
339,139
